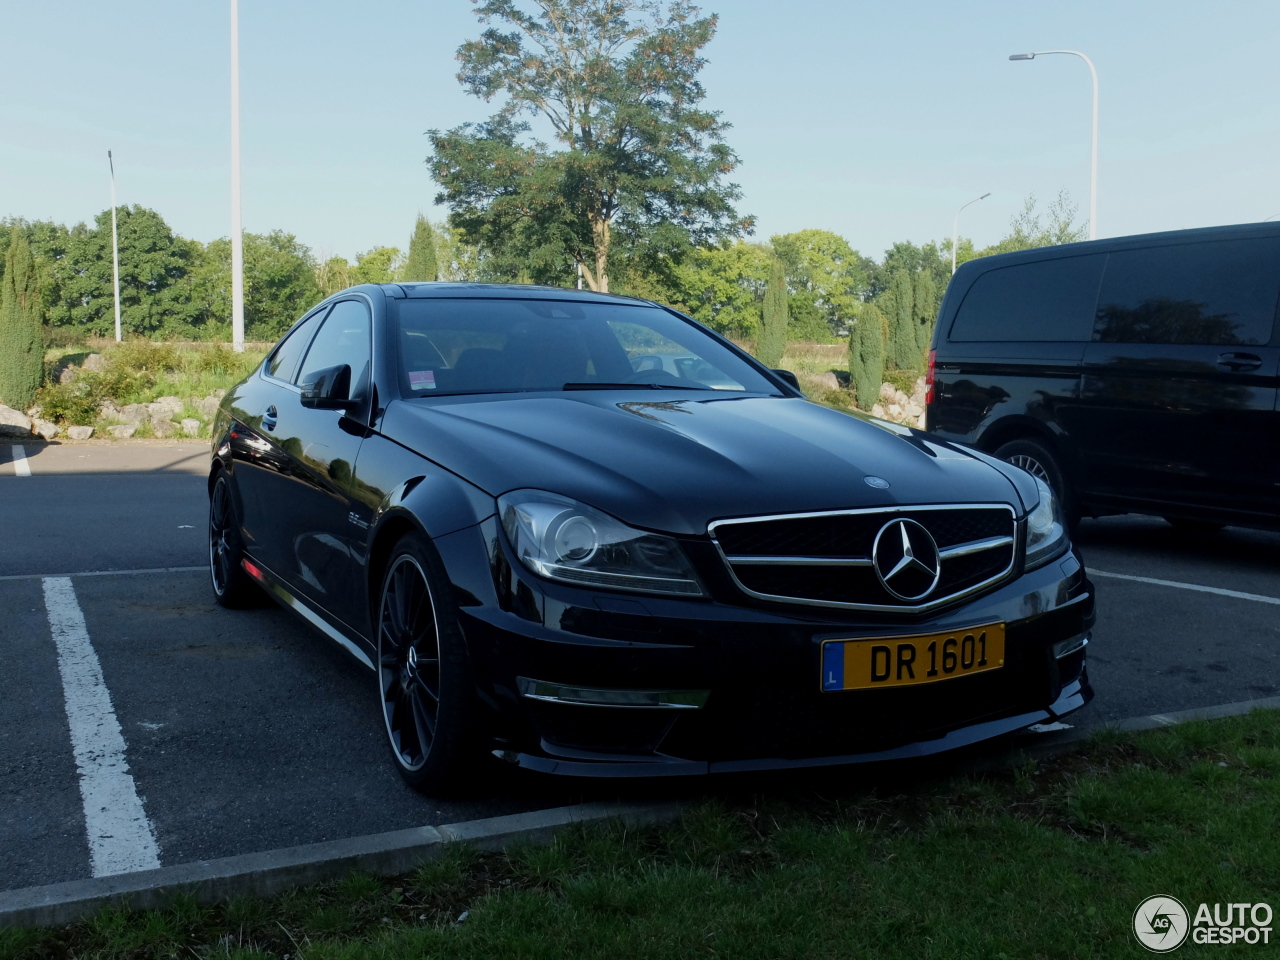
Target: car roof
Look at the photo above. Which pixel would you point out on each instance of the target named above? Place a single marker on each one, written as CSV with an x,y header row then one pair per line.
x,y
499,291
1238,231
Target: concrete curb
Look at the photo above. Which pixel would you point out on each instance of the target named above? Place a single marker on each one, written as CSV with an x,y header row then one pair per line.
x,y
391,854
274,871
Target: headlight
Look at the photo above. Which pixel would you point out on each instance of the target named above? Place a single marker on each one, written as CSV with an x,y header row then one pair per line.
x,y
1046,533
564,540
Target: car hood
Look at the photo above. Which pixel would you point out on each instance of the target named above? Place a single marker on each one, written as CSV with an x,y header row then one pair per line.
x,y
677,463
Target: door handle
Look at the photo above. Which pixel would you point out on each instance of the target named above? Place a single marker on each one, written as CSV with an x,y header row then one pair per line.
x,y
1239,362
269,417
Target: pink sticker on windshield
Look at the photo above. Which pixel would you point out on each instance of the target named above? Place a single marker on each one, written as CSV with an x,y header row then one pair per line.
x,y
422,380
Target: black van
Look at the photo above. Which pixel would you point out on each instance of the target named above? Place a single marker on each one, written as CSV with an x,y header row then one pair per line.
x,y
1136,374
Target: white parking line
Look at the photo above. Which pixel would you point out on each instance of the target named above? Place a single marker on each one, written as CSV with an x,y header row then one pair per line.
x,y
20,466
1257,597
121,837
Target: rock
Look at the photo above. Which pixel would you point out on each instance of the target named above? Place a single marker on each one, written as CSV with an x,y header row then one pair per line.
x,y
133,413
827,380
207,407
13,423
46,429
900,398
95,363
219,393
68,373
920,422
165,408
912,409
878,411
887,391
164,428
191,427
917,393
895,411
34,413
123,431
79,433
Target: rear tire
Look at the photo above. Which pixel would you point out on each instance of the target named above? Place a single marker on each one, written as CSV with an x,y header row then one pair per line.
x,y
426,685
1036,458
232,587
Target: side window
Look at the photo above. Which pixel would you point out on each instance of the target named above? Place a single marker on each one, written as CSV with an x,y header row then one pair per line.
x,y
1210,293
284,359
1048,300
344,338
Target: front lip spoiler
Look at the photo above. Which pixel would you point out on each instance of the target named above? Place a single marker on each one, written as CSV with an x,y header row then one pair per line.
x,y
1072,698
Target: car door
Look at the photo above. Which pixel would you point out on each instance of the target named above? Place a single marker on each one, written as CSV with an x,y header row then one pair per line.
x,y
1179,384
313,495
262,469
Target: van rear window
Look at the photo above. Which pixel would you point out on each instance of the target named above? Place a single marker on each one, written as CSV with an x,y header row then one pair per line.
x,y
1047,300
1212,293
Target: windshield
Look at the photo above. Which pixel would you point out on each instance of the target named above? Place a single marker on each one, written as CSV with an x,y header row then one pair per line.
x,y
506,346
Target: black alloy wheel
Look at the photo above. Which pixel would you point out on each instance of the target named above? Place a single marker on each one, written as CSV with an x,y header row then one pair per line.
x,y
424,676
1036,458
232,587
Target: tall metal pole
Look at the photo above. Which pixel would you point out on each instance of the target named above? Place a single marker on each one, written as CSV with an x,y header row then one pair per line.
x,y
1093,157
115,244
955,229
237,230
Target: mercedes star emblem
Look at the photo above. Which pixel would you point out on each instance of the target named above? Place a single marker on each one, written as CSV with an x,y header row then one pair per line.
x,y
905,558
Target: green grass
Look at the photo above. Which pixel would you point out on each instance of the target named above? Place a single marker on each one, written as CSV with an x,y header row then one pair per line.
x,y
139,371
1041,861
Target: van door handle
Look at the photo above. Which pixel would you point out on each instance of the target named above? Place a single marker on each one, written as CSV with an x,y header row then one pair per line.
x,y
269,417
1239,362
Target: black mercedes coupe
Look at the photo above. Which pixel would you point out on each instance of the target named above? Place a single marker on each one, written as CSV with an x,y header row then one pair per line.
x,y
589,536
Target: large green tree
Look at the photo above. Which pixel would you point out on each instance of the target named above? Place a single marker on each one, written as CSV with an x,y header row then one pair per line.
x,y
640,165
773,331
21,344
376,266
279,283
723,287
422,263
826,279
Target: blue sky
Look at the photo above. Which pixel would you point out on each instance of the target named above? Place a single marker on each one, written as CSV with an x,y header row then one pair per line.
x,y
872,120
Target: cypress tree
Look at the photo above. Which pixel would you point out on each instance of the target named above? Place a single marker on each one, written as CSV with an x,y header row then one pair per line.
x,y
926,309
773,335
903,351
21,339
866,355
422,264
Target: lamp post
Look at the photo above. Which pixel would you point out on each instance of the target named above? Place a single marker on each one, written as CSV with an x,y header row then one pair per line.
x,y
955,229
1093,161
115,244
237,230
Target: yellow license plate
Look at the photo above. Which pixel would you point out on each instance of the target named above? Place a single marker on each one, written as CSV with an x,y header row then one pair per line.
x,y
907,661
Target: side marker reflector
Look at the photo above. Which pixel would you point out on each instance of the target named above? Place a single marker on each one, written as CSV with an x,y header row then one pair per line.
x,y
251,570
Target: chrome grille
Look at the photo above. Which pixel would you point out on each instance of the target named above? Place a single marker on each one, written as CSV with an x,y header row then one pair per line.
x,y
825,559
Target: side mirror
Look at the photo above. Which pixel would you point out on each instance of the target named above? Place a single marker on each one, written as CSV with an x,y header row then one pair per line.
x,y
786,376
328,389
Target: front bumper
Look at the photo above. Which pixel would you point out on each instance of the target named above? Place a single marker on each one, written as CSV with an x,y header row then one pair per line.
x,y
713,686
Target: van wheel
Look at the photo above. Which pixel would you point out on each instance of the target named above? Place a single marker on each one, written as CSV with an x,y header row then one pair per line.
x,y
1035,458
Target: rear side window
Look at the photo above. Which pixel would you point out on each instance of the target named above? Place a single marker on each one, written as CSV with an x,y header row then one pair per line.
x,y
1048,300
1210,293
284,359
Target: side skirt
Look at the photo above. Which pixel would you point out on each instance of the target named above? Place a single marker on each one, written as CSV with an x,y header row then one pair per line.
x,y
277,591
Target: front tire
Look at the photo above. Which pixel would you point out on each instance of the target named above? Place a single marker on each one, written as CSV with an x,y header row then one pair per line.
x,y
232,587
425,682
1035,458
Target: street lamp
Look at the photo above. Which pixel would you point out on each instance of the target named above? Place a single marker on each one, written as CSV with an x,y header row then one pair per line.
x,y
237,230
955,229
1093,163
115,244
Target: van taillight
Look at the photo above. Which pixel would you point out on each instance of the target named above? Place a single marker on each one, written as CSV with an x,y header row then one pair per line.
x,y
928,377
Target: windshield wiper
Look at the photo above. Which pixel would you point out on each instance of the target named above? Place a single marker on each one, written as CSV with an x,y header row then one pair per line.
x,y
631,386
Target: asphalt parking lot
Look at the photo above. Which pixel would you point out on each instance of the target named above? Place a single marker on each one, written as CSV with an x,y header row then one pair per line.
x,y
246,731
